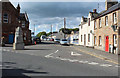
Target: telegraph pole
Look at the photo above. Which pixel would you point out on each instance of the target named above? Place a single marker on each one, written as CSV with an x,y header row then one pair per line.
x,y
51,31
34,29
64,27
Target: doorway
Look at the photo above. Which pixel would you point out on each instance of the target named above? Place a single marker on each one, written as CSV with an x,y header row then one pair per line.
x,y
107,43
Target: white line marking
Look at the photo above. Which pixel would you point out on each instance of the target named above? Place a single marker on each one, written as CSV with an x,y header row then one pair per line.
x,y
75,54
105,65
93,63
83,61
117,66
51,54
73,60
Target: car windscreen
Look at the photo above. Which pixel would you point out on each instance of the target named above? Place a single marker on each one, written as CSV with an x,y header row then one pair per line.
x,y
64,40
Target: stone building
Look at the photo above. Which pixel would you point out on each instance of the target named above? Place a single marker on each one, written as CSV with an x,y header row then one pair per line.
x,y
11,19
106,28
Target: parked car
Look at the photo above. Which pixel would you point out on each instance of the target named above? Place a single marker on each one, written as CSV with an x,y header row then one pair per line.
x,y
51,39
57,40
64,42
36,40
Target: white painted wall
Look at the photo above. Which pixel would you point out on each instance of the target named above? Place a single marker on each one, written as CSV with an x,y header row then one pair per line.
x,y
85,29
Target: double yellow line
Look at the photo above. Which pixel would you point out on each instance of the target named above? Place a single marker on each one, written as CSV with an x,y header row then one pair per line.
x,y
103,58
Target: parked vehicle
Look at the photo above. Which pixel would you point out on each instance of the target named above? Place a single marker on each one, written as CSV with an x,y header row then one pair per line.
x,y
57,40
51,39
36,40
64,42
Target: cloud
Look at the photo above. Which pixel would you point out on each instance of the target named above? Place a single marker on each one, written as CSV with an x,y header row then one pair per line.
x,y
45,14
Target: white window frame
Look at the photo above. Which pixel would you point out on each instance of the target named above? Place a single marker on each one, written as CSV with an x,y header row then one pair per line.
x,y
95,26
106,21
114,18
115,40
5,18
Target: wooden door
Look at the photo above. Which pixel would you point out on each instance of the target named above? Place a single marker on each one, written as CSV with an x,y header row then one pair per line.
x,y
107,43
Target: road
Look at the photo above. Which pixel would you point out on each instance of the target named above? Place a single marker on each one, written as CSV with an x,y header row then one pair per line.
x,y
49,59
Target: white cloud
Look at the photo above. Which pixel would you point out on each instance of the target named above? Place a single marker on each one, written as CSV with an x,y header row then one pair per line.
x,y
57,0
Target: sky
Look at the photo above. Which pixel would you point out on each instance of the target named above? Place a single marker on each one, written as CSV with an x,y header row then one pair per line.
x,y
45,14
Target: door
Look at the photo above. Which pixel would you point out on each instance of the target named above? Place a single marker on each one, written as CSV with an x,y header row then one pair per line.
x,y
84,39
107,43
11,38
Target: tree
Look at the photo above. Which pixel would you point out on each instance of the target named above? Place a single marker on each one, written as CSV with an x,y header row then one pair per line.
x,y
68,31
41,33
49,34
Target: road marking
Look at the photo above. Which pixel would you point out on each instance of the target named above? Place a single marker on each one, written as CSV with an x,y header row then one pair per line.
x,y
47,56
100,57
73,60
117,66
83,61
93,63
64,59
105,65
75,54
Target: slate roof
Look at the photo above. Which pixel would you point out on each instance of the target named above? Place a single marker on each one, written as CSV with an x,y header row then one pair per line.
x,y
111,9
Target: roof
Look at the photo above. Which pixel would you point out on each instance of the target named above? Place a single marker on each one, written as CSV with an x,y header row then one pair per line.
x,y
23,16
111,9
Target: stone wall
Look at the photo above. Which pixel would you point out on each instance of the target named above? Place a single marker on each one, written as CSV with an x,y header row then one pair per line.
x,y
105,30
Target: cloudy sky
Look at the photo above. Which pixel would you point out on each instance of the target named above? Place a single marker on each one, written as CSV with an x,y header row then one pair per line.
x,y
45,14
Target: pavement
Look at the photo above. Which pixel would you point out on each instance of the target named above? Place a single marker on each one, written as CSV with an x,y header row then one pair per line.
x,y
51,59
99,54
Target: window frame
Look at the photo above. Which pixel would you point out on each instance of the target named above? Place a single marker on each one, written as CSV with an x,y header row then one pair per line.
x,y
5,18
114,18
100,41
106,20
88,37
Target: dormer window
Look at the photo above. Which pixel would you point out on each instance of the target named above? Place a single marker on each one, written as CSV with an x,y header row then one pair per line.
x,y
88,21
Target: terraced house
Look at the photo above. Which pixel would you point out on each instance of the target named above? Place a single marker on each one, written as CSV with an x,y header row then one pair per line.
x,y
86,36
106,28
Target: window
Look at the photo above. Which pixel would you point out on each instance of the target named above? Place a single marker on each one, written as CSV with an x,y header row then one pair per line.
x,y
23,24
100,43
114,18
5,18
106,21
95,40
88,21
81,38
95,27
88,37
100,23
115,39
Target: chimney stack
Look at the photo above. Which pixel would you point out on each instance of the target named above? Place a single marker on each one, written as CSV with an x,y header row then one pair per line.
x,y
94,10
110,3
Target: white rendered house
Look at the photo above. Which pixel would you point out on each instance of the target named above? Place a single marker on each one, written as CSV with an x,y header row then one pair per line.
x,y
86,30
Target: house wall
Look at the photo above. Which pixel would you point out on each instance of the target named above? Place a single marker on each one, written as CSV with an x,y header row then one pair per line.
x,y
9,28
85,30
119,32
105,31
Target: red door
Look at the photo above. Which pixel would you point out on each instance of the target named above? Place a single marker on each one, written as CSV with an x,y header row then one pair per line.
x,y
107,43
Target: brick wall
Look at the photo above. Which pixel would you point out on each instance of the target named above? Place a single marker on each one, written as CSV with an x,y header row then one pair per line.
x,y
9,28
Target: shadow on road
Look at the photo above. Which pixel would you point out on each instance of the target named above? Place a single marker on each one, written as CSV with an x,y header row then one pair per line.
x,y
13,72
36,49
